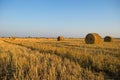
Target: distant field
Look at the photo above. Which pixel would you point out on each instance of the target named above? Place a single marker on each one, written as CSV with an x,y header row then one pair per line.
x,y
49,59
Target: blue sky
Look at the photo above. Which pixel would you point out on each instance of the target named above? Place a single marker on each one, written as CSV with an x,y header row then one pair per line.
x,y
50,18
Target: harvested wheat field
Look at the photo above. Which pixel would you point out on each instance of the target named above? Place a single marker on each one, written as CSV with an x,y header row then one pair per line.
x,y
49,59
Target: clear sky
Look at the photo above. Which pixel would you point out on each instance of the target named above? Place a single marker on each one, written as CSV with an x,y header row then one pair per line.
x,y
50,18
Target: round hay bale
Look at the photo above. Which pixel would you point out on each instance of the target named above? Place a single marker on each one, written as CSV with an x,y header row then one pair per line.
x,y
108,39
12,38
93,38
60,38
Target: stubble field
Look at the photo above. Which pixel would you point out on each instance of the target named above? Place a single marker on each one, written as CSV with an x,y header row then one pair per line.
x,y
49,59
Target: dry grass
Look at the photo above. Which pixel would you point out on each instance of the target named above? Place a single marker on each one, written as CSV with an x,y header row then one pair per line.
x,y
72,59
